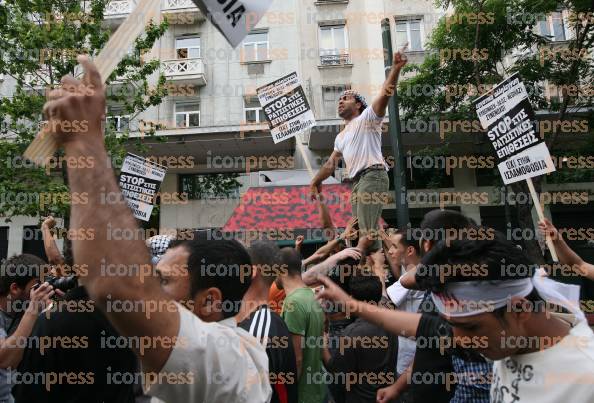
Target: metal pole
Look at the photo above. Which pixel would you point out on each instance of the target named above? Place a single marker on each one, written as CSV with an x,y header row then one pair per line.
x,y
395,136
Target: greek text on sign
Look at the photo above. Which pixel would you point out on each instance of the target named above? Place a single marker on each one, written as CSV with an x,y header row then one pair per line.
x,y
504,97
234,18
139,181
523,165
286,108
508,117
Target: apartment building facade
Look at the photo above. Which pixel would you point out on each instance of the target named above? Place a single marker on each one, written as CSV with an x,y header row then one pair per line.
x,y
213,116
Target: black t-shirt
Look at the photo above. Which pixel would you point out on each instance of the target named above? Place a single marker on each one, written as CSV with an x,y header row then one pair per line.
x,y
88,370
431,368
268,327
369,362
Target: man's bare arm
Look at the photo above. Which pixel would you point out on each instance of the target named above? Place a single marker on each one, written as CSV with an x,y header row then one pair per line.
x,y
399,323
311,276
380,103
154,315
564,252
325,172
12,348
54,257
327,224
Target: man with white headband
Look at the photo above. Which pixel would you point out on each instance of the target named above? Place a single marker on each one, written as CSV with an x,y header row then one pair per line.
x,y
360,144
542,345
442,371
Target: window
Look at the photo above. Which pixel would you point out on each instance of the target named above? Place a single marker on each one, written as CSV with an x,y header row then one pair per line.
x,y
553,26
409,31
116,119
255,47
187,47
253,110
33,241
333,45
209,186
330,97
187,114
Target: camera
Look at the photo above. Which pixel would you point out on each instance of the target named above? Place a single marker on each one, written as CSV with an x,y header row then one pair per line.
x,y
64,284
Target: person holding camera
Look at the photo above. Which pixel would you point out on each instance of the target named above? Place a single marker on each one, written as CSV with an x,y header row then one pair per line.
x,y
20,304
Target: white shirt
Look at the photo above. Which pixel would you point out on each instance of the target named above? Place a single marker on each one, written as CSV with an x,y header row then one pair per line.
x,y
360,143
408,301
562,373
227,363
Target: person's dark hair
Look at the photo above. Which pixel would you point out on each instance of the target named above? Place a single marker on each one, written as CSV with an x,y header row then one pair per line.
x,y
436,219
222,264
342,272
407,239
20,269
362,107
291,259
473,260
366,287
266,256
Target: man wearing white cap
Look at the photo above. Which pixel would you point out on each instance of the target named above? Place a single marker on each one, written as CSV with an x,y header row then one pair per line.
x,y
360,144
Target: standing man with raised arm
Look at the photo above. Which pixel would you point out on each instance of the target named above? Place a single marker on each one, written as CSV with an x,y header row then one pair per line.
x,y
360,144
184,358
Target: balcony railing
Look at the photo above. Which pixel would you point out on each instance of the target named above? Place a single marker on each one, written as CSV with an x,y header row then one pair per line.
x,y
182,11
117,8
335,60
184,69
178,4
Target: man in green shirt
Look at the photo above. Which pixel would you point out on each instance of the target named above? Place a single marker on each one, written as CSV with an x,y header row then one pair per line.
x,y
305,319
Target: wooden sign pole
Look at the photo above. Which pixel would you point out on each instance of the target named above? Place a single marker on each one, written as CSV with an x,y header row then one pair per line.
x,y
44,145
541,217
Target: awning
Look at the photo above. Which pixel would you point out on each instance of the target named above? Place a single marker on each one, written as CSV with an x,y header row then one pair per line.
x,y
279,209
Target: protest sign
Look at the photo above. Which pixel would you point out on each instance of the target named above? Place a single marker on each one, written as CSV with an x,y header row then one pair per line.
x,y
234,18
505,112
139,181
286,108
507,115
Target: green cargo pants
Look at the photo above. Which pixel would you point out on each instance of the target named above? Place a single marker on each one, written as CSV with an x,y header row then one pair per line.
x,y
368,197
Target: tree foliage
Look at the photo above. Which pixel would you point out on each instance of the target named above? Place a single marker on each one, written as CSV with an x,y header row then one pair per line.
x,y
478,43
39,42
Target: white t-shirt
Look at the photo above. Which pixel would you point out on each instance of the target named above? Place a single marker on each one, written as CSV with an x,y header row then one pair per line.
x,y
408,301
360,143
562,373
227,363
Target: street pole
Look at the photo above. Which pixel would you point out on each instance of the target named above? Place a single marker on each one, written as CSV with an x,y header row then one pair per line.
x,y
395,136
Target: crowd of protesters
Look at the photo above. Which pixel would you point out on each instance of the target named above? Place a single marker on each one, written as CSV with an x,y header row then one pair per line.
x,y
369,317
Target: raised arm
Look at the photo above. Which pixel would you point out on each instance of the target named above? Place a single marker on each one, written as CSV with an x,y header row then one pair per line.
x,y
311,276
154,315
380,103
399,323
327,224
54,257
564,252
325,172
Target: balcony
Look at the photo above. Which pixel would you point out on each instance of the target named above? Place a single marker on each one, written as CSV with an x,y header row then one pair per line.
x,y
179,12
190,71
343,59
119,8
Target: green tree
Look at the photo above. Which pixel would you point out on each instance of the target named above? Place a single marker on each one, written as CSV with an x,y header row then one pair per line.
x,y
39,42
481,42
